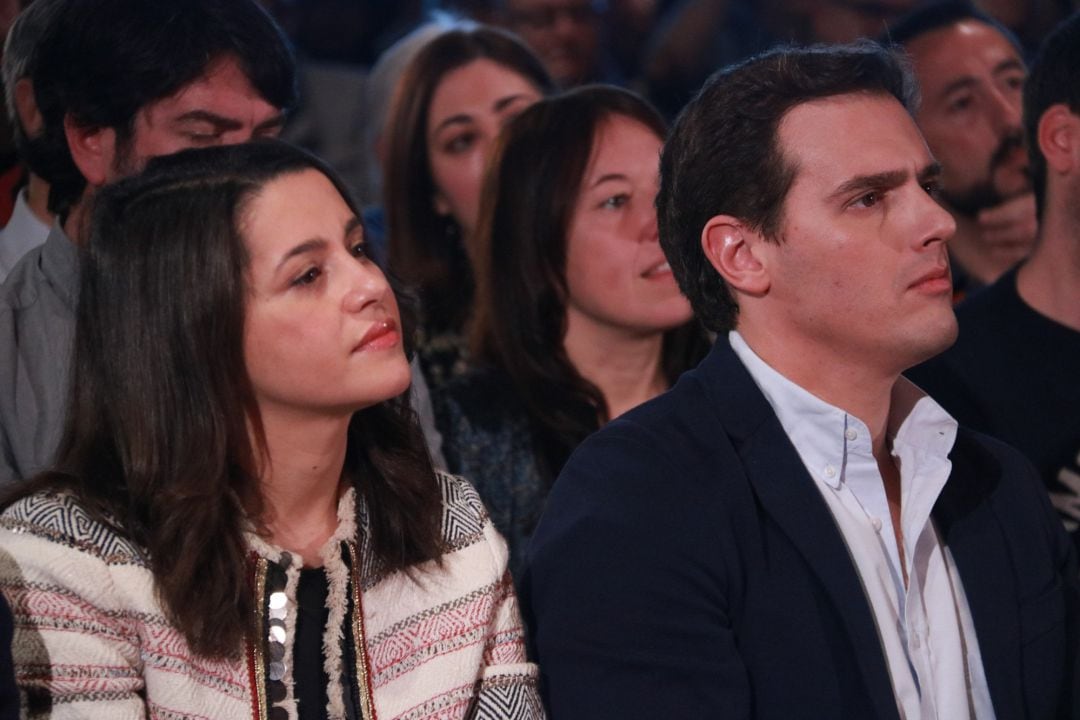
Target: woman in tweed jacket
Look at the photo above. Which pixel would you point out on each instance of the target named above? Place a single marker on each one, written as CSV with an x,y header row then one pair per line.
x,y
243,520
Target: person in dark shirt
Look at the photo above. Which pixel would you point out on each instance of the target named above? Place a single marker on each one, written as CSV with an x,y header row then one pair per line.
x,y
1013,371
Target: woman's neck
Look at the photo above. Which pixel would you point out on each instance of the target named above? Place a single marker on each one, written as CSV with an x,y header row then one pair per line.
x,y
625,366
301,481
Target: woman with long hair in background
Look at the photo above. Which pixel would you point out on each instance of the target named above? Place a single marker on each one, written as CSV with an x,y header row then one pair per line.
x,y
452,101
578,317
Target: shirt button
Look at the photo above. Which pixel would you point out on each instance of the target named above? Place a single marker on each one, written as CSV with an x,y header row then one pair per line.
x,y
851,434
876,522
830,471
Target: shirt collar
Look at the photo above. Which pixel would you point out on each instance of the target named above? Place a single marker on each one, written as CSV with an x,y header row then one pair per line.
x,y
822,433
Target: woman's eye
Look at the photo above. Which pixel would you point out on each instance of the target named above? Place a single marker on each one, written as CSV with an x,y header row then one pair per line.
x,y
616,201
308,277
359,250
459,143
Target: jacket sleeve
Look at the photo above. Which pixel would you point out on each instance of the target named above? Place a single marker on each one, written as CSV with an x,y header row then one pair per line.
x,y
507,687
75,647
624,590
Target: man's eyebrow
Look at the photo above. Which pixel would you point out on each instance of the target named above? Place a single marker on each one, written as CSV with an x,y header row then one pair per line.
x,y
222,123
930,172
307,246
874,181
218,121
961,83
1008,65
271,123
885,180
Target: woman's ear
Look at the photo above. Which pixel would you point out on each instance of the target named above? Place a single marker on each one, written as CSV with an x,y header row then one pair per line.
x,y
731,248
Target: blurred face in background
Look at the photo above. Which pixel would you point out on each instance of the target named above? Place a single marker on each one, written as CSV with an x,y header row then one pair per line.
x,y
617,276
565,34
468,109
971,78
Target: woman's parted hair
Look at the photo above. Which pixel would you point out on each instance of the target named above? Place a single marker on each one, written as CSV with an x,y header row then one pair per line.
x,y
157,439
425,248
530,192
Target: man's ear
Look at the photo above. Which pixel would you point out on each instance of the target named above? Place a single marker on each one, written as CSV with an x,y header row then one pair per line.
x,y
92,149
1058,135
732,249
26,107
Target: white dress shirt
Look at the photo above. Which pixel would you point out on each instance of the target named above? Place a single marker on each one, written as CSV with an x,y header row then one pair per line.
x,y
926,629
23,232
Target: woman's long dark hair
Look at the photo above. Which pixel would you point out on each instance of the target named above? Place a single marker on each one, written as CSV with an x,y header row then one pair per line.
x,y
426,248
157,440
530,192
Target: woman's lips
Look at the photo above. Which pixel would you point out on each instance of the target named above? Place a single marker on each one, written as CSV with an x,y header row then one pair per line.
x,y
380,336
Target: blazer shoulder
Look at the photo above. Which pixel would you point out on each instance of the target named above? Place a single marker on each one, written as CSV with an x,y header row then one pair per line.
x,y
60,518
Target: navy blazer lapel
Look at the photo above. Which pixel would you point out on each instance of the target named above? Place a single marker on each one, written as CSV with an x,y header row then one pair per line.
x,y
788,494
970,527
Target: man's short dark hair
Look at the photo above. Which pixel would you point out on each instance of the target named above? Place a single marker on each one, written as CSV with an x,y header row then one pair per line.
x,y
100,62
936,15
723,156
1053,80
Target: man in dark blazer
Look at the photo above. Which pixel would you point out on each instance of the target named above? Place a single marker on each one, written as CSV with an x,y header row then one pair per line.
x,y
795,531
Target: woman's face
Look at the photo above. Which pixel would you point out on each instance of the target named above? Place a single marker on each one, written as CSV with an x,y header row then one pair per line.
x,y
321,333
617,276
468,108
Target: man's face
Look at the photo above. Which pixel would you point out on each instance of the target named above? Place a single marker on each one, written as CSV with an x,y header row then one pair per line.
x,y
860,268
971,79
220,108
564,34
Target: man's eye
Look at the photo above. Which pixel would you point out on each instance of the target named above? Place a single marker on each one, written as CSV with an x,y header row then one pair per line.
x,y
961,103
932,188
866,200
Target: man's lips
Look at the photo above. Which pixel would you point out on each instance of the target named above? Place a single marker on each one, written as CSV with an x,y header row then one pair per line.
x,y
934,281
383,334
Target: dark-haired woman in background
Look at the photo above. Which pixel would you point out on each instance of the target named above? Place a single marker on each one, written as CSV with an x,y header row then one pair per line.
x,y
243,520
451,103
578,317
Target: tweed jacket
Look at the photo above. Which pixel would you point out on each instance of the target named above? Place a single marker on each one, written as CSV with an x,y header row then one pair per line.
x,y
92,640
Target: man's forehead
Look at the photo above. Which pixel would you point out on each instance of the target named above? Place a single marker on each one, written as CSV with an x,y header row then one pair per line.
x,y
851,134
223,89
943,50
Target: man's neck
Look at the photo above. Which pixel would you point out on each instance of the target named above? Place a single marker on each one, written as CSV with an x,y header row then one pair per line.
x,y
37,198
76,220
1049,282
844,380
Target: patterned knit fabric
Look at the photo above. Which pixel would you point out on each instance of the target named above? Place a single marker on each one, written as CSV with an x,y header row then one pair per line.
x,y
91,639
